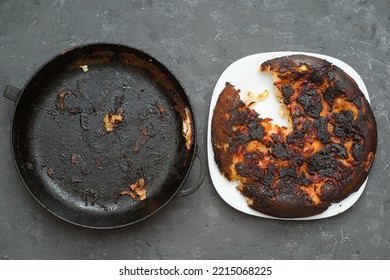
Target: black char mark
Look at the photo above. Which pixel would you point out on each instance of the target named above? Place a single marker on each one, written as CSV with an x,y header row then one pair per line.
x,y
311,102
279,150
329,96
288,172
252,171
338,150
298,133
328,166
321,125
287,91
256,131
329,191
358,152
343,127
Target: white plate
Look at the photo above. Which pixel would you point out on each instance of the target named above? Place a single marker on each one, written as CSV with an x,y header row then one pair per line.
x,y
245,75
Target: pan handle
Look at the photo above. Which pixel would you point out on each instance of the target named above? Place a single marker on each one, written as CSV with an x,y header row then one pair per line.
x,y
199,154
12,93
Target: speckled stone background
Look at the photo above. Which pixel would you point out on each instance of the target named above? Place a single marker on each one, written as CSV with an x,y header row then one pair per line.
x,y
197,40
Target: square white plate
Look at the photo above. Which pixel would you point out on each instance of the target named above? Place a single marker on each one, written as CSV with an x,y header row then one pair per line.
x,y
245,75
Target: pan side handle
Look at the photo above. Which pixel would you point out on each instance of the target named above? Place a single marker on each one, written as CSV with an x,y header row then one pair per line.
x,y
202,163
12,93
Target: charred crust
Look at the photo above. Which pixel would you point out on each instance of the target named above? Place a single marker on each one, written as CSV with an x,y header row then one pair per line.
x,y
285,63
220,128
292,204
329,191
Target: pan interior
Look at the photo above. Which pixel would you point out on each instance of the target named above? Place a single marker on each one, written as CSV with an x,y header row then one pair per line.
x,y
79,165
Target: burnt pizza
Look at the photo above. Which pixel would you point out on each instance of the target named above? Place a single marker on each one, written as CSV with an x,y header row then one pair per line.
x,y
323,155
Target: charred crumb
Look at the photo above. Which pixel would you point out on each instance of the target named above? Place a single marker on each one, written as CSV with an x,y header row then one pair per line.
x,y
74,110
120,111
76,180
79,91
51,172
93,198
61,105
141,139
99,107
60,101
98,161
136,190
85,169
74,159
84,197
111,121
29,165
89,197
161,109
102,132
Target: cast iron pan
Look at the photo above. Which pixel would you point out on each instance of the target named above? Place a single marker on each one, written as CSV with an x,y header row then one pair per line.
x,y
95,120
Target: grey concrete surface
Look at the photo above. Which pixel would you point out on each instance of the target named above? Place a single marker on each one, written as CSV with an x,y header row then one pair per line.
x,y
197,40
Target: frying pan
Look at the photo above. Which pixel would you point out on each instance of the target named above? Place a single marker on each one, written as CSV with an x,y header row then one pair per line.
x,y
103,136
